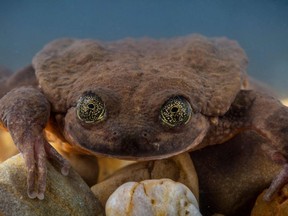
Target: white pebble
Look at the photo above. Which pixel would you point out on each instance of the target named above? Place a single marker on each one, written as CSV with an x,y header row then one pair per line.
x,y
152,197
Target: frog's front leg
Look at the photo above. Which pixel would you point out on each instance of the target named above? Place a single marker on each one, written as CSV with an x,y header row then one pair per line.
x,y
264,114
25,112
270,119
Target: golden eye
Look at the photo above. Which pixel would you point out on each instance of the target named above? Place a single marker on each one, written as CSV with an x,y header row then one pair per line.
x,y
90,108
175,111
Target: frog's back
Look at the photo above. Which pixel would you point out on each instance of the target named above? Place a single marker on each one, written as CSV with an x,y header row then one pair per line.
x,y
10,80
208,71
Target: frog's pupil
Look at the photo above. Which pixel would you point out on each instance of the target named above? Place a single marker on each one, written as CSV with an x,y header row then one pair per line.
x,y
91,106
174,109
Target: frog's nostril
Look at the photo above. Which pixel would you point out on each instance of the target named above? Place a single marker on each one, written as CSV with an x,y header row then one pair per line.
x,y
115,133
145,135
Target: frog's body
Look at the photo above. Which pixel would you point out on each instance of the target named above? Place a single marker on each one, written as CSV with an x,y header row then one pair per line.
x,y
153,98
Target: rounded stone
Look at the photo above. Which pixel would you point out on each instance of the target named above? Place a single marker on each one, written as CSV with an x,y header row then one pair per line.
x,y
152,197
277,206
65,195
285,101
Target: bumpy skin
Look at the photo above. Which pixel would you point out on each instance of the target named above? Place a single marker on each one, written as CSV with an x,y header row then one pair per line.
x,y
134,78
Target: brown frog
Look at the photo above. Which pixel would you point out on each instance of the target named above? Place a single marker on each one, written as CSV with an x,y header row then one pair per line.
x,y
138,99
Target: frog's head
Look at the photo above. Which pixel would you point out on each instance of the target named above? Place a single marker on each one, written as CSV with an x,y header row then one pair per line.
x,y
135,118
139,99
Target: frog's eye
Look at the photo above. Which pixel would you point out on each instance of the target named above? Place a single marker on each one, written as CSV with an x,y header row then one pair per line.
x,y
91,109
175,111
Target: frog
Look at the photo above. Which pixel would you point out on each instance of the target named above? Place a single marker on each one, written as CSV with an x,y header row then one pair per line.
x,y
137,99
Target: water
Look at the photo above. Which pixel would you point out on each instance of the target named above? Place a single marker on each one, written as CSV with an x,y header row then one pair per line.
x,y
260,26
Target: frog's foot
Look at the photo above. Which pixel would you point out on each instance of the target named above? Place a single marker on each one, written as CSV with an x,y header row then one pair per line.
x,y
25,113
35,152
278,182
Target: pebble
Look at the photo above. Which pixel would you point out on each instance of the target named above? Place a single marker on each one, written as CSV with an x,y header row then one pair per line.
x,y
152,198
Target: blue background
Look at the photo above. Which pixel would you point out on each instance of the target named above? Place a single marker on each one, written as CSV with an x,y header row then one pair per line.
x,y
260,26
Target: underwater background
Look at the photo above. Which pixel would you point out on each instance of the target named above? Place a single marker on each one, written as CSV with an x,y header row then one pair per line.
x,y
260,26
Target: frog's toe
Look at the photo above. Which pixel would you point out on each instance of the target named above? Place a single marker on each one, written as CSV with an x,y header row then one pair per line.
x,y
278,182
41,156
31,191
35,159
55,156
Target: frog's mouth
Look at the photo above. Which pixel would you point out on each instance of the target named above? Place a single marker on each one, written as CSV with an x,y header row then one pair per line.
x,y
141,150
131,149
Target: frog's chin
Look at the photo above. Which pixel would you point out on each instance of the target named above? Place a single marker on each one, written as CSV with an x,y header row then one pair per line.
x,y
154,152
135,158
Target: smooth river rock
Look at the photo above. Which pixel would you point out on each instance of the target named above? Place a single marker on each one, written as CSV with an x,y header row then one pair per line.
x,y
65,195
152,197
277,207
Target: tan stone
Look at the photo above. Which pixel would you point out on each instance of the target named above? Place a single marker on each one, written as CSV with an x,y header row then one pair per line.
x,y
8,149
179,168
65,195
277,207
285,101
108,166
